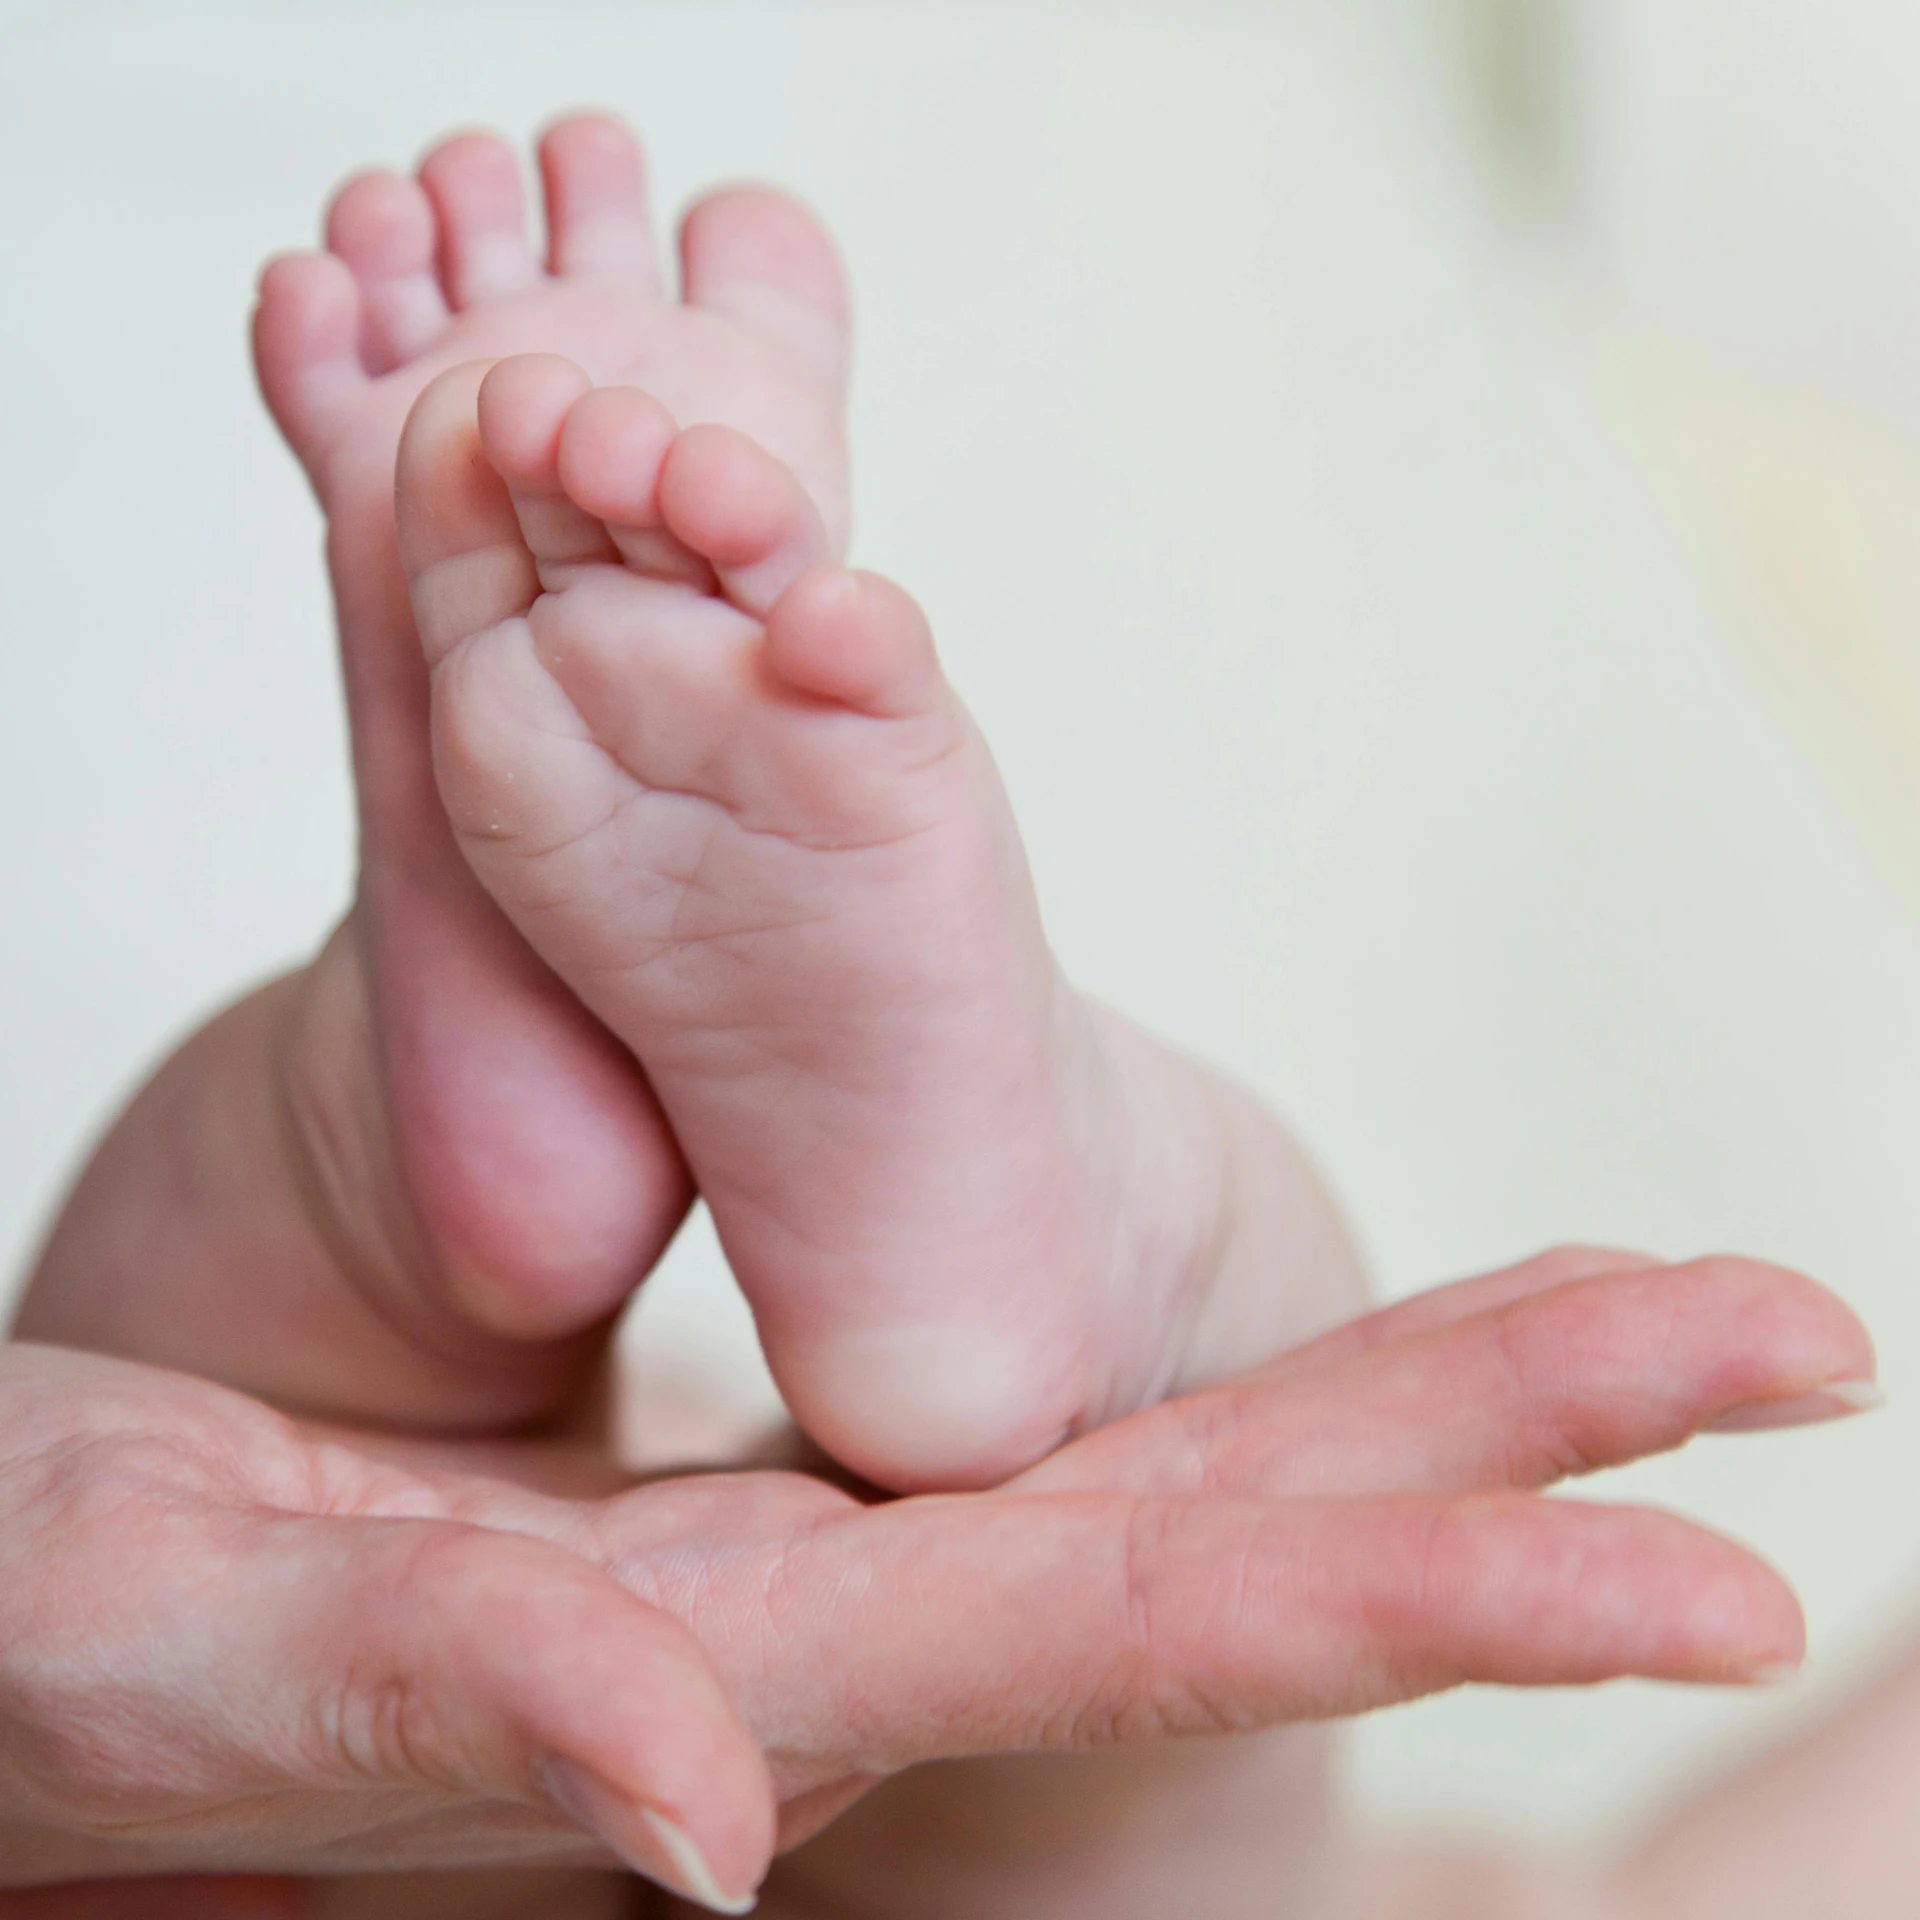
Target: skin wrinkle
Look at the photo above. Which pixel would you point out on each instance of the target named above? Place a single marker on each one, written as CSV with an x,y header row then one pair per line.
x,y
1210,1425
345,1484
726,819
1564,1446
1234,1593
1145,1543
1401,1675
318,1150
1563,1450
462,660
959,740
1686,1305
447,583
676,945
1676,1306
382,1726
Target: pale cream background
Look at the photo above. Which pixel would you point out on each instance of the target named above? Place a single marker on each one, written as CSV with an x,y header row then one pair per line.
x,y
1426,518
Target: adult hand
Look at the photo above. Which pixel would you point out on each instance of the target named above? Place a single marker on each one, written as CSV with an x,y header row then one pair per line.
x,y
232,1643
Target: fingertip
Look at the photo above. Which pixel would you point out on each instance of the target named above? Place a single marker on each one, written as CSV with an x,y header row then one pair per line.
x,y
657,1844
1549,1592
540,1679
1775,1627
1785,1339
1704,1609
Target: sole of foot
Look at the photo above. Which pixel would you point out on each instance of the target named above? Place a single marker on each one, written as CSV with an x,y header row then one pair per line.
x,y
721,785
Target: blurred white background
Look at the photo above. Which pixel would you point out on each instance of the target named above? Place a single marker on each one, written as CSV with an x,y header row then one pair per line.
x,y
1424,498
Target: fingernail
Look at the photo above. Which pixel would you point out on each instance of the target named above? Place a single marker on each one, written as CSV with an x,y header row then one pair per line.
x,y
690,1864
1840,1401
673,1860
1859,1396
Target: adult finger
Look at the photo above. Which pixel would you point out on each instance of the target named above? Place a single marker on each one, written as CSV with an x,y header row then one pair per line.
x,y
1583,1375
938,1628
1458,1300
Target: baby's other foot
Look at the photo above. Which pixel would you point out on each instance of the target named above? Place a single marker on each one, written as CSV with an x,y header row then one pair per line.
x,y
722,786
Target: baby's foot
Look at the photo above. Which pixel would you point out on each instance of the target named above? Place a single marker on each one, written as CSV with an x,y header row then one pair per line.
x,y
723,788
505,1164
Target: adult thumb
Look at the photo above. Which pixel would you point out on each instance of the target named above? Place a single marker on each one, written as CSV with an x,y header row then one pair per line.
x,y
496,1665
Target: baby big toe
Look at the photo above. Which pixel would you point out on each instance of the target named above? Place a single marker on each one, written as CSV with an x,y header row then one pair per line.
x,y
524,406
460,542
763,258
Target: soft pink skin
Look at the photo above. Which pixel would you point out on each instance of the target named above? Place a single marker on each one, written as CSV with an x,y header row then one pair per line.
x,y
1336,1532
482,1171
722,787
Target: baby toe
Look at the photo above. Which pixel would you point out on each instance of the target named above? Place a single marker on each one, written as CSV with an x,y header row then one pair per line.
x,y
857,639
467,564
598,219
382,226
766,260
473,182
306,342
524,405
729,500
